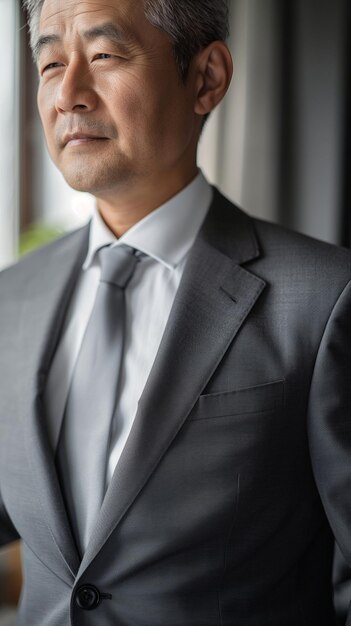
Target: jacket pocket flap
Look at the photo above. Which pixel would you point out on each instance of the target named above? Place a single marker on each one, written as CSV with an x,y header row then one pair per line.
x,y
257,399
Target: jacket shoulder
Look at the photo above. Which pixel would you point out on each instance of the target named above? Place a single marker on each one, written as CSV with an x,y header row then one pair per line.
x,y
15,275
297,251
272,247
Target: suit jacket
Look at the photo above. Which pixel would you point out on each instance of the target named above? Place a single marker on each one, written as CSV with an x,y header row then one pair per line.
x,y
237,473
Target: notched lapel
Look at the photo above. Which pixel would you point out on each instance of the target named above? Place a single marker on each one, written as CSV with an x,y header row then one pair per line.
x,y
213,300
44,305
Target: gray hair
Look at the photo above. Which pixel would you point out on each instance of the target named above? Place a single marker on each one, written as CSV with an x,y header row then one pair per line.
x,y
190,24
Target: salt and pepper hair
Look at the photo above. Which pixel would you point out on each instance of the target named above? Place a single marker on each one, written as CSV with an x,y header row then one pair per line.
x,y
190,24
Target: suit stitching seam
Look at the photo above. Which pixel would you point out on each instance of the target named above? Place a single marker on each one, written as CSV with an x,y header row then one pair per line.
x,y
54,539
325,330
222,415
243,389
343,291
225,558
45,565
219,608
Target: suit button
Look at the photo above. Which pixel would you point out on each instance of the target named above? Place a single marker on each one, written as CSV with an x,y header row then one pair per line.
x,y
87,597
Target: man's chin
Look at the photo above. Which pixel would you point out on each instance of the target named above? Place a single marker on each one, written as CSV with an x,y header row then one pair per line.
x,y
97,183
86,183
83,186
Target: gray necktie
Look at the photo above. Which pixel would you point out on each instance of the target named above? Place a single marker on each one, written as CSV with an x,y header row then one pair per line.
x,y
84,439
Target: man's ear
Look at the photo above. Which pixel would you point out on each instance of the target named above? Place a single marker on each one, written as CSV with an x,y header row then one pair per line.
x,y
214,70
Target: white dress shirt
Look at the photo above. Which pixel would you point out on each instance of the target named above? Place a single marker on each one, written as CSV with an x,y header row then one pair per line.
x,y
165,236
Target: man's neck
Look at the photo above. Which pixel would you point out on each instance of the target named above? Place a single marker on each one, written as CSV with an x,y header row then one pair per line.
x,y
122,210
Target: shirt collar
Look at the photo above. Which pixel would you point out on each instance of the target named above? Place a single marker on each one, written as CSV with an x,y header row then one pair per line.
x,y
167,233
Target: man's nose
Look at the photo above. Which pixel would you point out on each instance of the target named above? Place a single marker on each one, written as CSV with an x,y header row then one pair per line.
x,y
76,90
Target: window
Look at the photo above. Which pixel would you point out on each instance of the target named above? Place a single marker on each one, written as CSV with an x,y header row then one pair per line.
x,y
9,130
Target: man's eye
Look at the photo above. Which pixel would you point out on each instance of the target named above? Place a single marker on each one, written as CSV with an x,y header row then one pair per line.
x,y
103,55
51,66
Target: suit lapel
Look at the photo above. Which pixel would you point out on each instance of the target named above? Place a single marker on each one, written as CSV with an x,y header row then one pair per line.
x,y
43,312
214,297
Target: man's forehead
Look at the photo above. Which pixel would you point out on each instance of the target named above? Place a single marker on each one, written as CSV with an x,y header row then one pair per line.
x,y
122,21
57,12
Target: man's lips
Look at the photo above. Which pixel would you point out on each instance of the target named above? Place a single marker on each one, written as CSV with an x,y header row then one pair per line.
x,y
78,139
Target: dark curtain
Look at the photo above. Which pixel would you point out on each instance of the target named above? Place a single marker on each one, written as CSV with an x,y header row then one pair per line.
x,y
345,234
316,117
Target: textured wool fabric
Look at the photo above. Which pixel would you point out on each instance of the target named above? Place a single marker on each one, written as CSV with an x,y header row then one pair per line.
x,y
235,479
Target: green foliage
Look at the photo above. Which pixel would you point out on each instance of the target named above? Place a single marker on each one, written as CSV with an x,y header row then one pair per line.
x,y
38,235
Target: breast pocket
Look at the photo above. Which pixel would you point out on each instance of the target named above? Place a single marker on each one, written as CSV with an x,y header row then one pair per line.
x,y
258,399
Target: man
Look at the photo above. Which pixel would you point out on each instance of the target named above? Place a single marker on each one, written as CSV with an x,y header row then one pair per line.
x,y
192,467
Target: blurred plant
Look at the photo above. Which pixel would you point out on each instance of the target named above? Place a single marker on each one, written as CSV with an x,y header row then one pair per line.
x,y
38,235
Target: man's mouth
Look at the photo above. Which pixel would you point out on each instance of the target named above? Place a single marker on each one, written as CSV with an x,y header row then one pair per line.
x,y
79,139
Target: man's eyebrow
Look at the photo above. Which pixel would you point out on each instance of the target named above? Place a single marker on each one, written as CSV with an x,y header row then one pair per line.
x,y
43,42
107,30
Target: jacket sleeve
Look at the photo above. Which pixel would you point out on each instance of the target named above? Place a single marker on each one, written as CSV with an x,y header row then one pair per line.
x,y
329,423
8,533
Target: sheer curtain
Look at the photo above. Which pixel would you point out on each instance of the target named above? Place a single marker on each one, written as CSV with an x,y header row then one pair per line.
x,y
242,136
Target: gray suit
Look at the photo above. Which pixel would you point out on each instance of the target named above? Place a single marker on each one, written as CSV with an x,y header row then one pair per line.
x,y
237,472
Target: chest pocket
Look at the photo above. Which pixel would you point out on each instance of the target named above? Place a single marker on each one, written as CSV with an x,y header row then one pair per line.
x,y
257,399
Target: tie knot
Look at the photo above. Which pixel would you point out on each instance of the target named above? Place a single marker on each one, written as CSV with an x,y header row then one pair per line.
x,y
117,265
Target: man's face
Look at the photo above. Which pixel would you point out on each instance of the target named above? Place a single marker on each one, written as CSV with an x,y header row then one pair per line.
x,y
112,104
